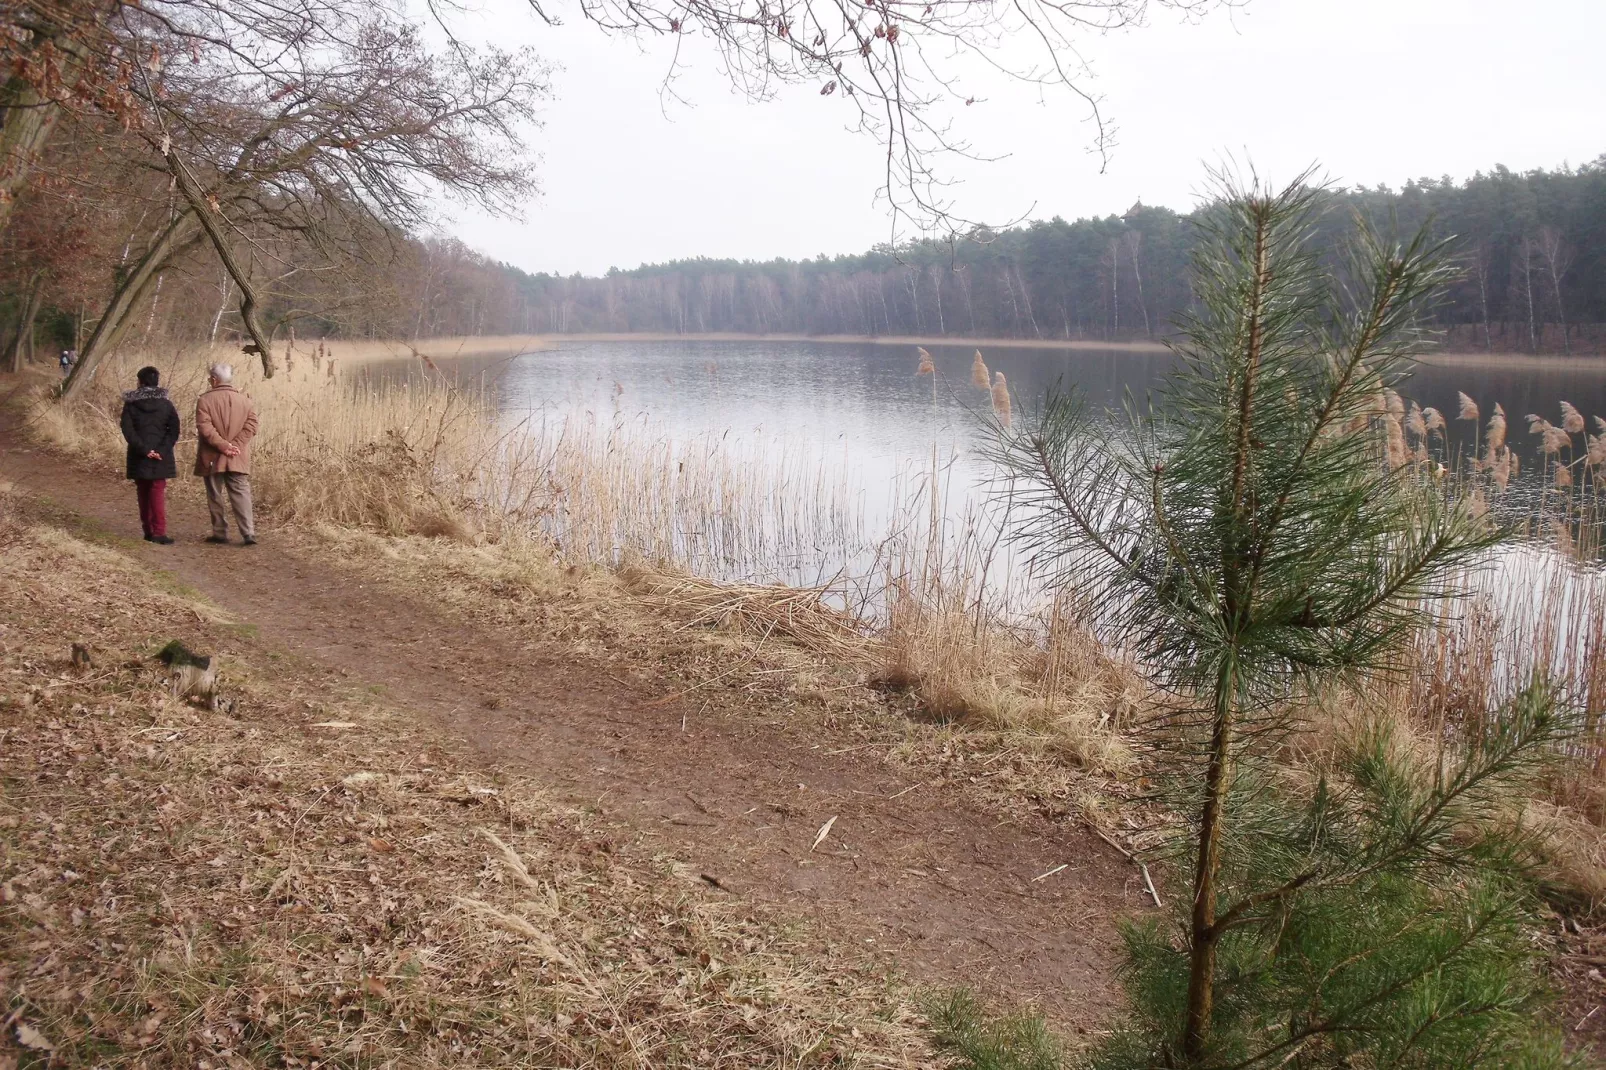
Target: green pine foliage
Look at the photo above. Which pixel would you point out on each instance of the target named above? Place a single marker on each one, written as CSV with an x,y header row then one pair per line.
x,y
1254,548
1381,918
962,1031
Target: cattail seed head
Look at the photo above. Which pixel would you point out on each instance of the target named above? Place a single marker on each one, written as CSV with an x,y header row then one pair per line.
x,y
1497,429
1395,442
978,373
1468,408
926,366
1572,421
1500,469
1433,420
1393,404
1415,422
1001,398
1564,476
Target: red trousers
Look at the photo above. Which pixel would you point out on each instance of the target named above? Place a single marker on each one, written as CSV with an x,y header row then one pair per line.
x,y
152,505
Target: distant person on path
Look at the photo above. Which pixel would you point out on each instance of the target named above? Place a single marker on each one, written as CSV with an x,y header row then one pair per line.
x,y
151,427
225,424
68,359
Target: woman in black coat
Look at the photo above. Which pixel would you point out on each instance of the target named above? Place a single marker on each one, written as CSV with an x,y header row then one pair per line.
x,y
150,424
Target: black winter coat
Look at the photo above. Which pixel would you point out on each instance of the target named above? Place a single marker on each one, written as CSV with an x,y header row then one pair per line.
x,y
150,422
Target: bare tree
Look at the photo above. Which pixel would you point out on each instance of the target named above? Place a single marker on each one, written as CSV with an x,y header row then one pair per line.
x,y
1558,257
1525,264
896,64
1133,240
1481,261
314,124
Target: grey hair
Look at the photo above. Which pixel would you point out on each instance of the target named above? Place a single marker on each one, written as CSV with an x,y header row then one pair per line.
x,y
223,373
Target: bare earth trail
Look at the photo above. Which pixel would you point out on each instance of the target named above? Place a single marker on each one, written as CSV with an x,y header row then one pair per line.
x,y
914,870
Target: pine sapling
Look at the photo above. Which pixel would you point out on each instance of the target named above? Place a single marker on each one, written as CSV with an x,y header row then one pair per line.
x,y
1254,538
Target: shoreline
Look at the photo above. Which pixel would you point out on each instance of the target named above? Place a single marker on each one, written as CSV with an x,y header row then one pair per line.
x,y
1464,359
506,344
860,339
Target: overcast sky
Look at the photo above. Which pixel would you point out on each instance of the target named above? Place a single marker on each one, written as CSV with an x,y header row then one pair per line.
x,y
1376,91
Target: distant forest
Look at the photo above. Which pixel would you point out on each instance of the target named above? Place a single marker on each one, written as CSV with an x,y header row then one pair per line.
x,y
1533,247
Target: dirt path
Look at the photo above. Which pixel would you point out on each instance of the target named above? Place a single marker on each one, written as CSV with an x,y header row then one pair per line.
x,y
913,869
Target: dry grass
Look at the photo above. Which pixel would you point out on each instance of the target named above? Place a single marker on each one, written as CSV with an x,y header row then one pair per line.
x,y
314,881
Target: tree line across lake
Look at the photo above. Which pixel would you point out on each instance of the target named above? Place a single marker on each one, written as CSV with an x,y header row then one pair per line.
x,y
1532,247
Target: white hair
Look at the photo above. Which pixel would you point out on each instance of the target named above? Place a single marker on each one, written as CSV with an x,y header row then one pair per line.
x,y
223,373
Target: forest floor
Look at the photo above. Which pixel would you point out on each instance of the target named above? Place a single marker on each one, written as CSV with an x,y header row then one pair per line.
x,y
878,850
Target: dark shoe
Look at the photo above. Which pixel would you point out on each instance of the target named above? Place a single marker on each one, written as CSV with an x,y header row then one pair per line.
x,y
161,540
248,542
216,538
149,538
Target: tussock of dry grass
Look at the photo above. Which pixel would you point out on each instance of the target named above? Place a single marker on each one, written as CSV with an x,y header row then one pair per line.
x,y
800,614
1573,845
183,888
1055,680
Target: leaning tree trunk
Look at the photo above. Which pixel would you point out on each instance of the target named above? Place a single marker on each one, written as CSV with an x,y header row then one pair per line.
x,y
27,116
23,339
206,210
181,234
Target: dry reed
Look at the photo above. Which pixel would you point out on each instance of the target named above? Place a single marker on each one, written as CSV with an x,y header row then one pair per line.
x,y
979,377
1001,406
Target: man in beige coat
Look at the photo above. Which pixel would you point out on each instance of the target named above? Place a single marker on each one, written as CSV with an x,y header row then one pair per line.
x,y
225,424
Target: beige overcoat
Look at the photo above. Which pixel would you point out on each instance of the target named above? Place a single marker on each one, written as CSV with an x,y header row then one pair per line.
x,y
224,417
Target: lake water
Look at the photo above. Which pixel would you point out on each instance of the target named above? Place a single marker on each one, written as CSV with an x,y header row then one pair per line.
x,y
859,414
862,408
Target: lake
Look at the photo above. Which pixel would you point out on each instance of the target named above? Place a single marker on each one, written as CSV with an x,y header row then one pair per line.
x,y
854,423
862,410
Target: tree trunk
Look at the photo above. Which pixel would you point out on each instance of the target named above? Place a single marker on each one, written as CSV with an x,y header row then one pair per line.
x,y
23,339
209,216
27,116
223,306
1483,302
181,234
1115,290
1561,312
1203,935
1136,243
1026,299
1528,290
28,119
156,299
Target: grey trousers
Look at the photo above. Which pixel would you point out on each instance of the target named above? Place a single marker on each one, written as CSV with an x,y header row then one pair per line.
x,y
230,488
